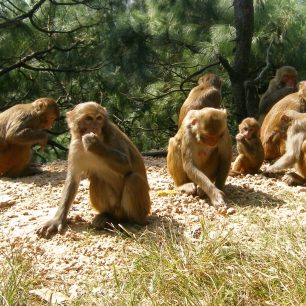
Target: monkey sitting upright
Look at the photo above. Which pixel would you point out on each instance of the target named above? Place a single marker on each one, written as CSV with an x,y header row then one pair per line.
x,y
251,152
283,84
118,189
22,126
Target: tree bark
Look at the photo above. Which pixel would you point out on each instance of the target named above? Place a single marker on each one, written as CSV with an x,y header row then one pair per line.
x,y
244,24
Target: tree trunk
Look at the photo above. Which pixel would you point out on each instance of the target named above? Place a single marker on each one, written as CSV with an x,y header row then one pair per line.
x,y
244,24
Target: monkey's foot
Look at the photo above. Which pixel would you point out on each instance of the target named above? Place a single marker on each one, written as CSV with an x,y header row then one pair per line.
x,y
101,222
32,170
293,179
188,188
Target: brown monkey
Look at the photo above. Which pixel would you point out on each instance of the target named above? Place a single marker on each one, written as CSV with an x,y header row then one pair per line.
x,y
283,84
200,154
206,94
22,126
251,153
118,181
273,131
295,155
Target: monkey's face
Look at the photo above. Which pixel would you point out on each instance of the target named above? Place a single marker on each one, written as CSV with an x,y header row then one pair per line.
x,y
47,120
288,80
209,126
248,131
91,123
249,128
88,117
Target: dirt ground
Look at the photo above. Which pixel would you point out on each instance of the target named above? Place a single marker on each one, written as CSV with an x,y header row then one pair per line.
x,y
66,262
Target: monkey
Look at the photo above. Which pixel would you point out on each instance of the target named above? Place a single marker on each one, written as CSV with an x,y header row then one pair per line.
x,y
206,94
251,152
199,155
21,127
295,155
119,188
273,131
283,84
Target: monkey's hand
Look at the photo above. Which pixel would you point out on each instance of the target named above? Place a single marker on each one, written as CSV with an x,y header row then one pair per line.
x,y
51,227
239,137
217,199
43,143
90,140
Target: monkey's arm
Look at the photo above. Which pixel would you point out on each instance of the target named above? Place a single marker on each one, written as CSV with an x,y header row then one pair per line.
x,y
59,221
116,158
249,148
224,164
198,177
26,136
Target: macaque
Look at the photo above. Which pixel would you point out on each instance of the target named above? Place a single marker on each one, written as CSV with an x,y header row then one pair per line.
x,y
119,189
251,153
206,94
295,155
21,127
199,155
283,84
273,132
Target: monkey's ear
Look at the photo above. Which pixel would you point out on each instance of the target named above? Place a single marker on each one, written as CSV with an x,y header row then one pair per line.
x,y
40,105
69,118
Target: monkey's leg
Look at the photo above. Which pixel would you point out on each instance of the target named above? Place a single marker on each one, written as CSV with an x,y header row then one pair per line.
x,y
99,198
19,160
135,202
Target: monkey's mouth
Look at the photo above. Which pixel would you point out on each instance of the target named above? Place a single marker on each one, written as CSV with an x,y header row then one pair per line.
x,y
209,140
88,131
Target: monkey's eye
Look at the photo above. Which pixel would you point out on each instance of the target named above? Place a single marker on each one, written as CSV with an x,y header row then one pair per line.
x,y
88,118
99,118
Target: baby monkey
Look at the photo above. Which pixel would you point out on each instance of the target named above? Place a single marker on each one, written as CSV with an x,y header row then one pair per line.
x,y
251,152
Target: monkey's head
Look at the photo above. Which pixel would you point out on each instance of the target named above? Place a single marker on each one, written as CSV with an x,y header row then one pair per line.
x,y
207,125
249,128
210,79
87,117
46,110
287,76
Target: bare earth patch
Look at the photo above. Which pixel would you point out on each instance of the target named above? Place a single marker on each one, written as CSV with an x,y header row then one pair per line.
x,y
67,263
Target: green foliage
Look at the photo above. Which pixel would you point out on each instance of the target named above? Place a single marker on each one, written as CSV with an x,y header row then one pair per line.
x,y
132,56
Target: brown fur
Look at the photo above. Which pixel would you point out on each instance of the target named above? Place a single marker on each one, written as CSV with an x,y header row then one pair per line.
x,y
22,126
200,153
274,128
206,94
119,188
251,153
283,84
295,155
